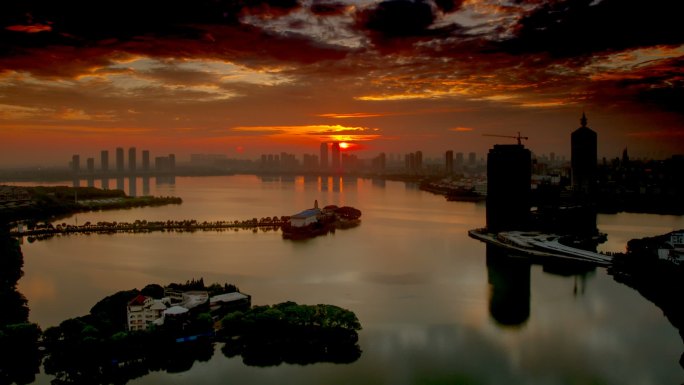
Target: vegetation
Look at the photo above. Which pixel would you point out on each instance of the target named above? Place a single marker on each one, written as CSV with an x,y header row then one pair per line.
x,y
19,355
291,333
50,202
659,281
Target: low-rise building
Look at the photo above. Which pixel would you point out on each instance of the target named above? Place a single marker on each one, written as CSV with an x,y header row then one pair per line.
x,y
142,311
306,217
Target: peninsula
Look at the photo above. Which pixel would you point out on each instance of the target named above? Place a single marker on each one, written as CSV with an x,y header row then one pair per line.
x,y
41,203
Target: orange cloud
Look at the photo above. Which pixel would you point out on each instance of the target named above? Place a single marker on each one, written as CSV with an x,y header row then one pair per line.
x,y
29,28
461,129
350,115
323,133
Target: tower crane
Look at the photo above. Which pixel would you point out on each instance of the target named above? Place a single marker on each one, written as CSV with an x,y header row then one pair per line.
x,y
518,137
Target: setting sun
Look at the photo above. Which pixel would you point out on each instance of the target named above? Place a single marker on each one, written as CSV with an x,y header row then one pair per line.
x,y
344,145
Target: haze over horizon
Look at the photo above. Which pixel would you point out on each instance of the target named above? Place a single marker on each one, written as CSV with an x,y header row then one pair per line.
x,y
245,78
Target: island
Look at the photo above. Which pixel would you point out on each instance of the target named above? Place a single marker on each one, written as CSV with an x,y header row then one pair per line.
x,y
43,203
315,221
134,332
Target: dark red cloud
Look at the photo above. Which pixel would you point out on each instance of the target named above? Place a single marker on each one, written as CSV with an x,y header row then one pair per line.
x,y
566,28
397,18
325,8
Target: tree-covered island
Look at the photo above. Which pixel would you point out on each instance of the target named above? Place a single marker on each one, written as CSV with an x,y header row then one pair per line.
x,y
109,345
44,203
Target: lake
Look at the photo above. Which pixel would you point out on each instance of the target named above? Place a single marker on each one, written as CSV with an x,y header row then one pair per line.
x,y
436,306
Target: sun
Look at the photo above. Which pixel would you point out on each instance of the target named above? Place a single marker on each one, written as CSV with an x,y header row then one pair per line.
x,y
344,145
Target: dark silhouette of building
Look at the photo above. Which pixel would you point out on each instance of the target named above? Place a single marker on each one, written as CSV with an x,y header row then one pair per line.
x,y
472,158
583,159
104,160
146,160
90,165
75,163
131,159
336,159
449,162
324,156
419,161
509,176
119,160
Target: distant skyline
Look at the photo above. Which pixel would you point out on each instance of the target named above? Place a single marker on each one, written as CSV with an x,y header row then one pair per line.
x,y
397,76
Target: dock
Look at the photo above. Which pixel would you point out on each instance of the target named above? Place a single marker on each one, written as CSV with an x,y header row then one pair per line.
x,y
541,245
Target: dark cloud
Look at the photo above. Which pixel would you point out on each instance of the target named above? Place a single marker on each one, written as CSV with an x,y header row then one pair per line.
x,y
566,28
397,18
323,8
449,6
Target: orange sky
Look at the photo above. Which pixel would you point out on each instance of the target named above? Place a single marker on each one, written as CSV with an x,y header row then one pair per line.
x,y
398,76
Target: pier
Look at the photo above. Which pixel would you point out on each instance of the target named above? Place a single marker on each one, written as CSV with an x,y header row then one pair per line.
x,y
541,245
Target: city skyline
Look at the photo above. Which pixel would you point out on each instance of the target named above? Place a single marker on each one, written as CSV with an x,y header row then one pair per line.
x,y
394,76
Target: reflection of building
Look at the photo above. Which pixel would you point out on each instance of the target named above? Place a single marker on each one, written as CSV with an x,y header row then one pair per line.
x,y
509,175
509,287
583,161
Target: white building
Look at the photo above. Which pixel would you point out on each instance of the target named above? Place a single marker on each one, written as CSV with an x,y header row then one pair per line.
x,y
674,251
306,217
142,311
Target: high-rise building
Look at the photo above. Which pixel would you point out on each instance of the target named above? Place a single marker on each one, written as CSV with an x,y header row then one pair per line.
x,y
104,160
459,160
449,162
509,177
90,165
336,156
324,156
472,158
131,159
119,159
75,164
146,160
419,161
583,159
172,161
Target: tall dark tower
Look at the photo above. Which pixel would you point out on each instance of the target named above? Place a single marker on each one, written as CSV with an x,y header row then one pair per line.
x,y
324,156
336,156
449,162
509,176
584,154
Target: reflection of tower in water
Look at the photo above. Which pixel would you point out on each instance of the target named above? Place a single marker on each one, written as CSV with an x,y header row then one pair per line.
x,y
509,287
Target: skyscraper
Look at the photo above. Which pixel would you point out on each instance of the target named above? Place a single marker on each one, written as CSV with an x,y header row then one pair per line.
x,y
75,163
509,176
90,165
324,156
583,159
146,160
419,161
131,159
119,159
449,162
336,156
104,160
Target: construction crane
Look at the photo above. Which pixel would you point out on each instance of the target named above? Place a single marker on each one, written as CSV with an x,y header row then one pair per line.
x,y
518,137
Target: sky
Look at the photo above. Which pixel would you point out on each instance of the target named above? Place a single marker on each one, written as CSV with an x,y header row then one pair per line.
x,y
246,77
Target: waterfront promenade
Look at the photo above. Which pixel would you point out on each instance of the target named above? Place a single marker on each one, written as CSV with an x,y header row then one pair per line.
x,y
141,226
541,245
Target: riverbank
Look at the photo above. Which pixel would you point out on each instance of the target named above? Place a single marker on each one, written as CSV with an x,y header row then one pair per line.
x,y
43,203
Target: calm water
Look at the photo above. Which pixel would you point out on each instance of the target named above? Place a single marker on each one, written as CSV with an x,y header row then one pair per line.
x,y
434,308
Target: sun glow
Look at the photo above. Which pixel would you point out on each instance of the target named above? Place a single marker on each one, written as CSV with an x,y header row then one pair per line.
x,y
344,145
